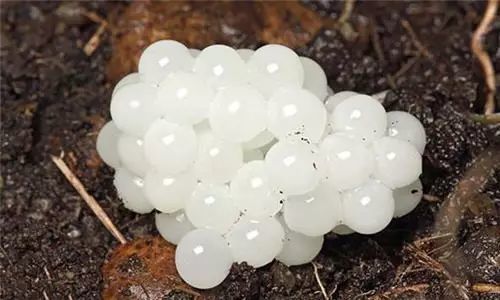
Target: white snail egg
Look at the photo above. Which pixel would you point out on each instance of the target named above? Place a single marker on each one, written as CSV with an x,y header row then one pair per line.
x,y
298,248
184,97
295,110
314,78
221,65
398,163
170,147
131,154
369,208
256,241
172,227
128,79
360,116
211,206
238,114
107,144
163,57
203,258
130,189
245,54
252,191
333,100
406,127
252,154
261,140
166,192
407,198
307,213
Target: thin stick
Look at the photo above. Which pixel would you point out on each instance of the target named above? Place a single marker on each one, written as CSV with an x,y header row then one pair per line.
x,y
486,288
96,208
415,40
483,57
95,40
323,290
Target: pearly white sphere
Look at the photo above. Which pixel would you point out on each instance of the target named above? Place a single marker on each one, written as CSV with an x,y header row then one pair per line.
x,y
184,98
294,166
170,147
130,189
314,78
203,258
107,144
169,193
369,208
298,248
256,241
333,100
295,110
131,154
330,91
252,192
211,206
194,52
217,160
245,54
134,102
221,65
398,163
172,227
261,140
360,116
342,229
407,198
274,66
406,127
315,213
252,154
238,114
128,79
162,58
349,162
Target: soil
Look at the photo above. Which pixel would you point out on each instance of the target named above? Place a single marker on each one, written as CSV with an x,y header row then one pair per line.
x,y
55,98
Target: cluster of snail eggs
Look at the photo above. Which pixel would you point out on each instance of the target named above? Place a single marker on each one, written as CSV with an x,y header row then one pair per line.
x,y
248,156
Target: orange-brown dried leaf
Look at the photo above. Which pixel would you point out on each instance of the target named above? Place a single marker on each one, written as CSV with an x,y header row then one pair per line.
x,y
142,269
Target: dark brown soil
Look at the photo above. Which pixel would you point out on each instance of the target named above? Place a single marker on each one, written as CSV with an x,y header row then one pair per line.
x,y
55,98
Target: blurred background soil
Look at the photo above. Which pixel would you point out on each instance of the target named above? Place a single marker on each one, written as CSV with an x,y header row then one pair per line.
x,y
59,62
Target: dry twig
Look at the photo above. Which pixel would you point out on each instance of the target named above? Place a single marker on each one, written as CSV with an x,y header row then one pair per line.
x,y
96,208
486,288
323,290
483,57
416,42
95,40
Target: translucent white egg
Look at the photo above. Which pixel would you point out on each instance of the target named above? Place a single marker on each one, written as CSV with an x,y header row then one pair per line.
x,y
184,98
256,241
333,100
134,102
217,160
169,193
407,198
315,213
262,139
252,154
130,189
369,208
172,227
314,78
350,163
107,144
245,54
170,147
273,66
211,206
342,230
194,52
298,248
163,57
238,114
360,116
295,110
330,91
203,258
131,154
398,163
252,192
406,127
221,66
294,166
128,79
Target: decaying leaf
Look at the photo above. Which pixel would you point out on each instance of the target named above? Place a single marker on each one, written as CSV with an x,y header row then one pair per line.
x,y
143,269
